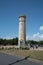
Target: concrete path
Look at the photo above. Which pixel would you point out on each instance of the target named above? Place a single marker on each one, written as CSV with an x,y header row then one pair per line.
x,y
39,48
6,59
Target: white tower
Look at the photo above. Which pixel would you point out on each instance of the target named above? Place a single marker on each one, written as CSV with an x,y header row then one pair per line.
x,y
22,30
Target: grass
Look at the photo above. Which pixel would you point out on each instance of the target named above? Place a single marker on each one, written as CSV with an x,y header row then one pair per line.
x,y
31,53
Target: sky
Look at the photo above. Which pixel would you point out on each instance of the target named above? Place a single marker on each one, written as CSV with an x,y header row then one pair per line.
x,y
9,22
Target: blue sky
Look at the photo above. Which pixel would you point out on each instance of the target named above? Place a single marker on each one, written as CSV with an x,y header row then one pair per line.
x,y
9,13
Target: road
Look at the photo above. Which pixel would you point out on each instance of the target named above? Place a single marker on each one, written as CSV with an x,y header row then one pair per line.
x,y
6,59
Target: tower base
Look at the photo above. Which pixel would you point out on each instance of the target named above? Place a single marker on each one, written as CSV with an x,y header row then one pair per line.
x,y
21,43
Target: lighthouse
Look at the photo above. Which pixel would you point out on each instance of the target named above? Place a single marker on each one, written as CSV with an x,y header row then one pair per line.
x,y
22,30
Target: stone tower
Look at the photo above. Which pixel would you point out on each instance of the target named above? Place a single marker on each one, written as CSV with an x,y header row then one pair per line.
x,y
22,30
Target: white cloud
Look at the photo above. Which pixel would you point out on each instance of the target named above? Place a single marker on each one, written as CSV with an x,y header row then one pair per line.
x,y
36,37
37,34
41,28
41,36
27,37
7,37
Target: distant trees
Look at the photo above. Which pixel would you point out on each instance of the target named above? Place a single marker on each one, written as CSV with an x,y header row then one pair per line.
x,y
40,43
1,41
13,41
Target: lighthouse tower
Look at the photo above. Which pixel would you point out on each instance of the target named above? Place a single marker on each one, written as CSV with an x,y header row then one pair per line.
x,y
22,30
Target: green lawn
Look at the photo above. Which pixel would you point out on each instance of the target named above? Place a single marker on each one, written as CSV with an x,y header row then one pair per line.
x,y
31,53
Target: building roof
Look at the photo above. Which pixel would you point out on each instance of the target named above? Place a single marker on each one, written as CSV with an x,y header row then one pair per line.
x,y
22,16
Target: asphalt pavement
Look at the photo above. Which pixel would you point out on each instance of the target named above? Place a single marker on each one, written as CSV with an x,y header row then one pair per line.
x,y
6,59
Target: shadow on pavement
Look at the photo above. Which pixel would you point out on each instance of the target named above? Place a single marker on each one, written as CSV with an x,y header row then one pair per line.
x,y
19,60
